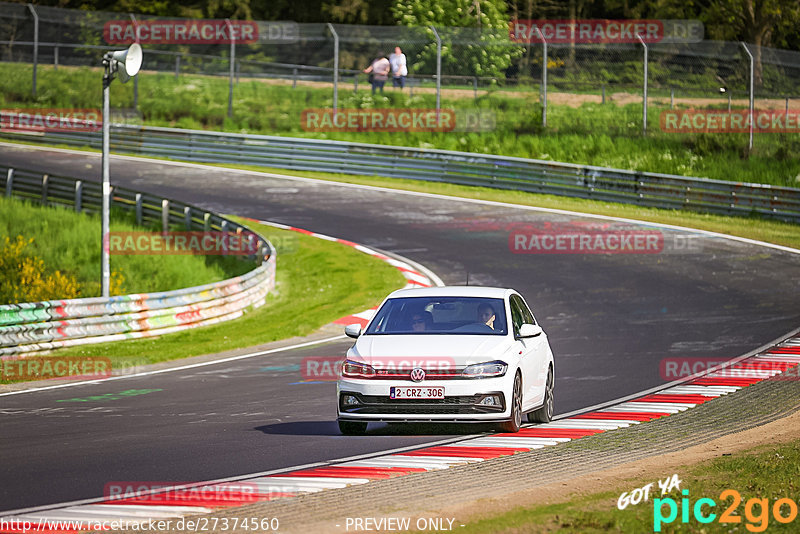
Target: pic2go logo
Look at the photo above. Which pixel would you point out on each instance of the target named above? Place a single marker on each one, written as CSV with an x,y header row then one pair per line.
x,y
756,511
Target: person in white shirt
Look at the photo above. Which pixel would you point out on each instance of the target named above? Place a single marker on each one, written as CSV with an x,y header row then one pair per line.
x,y
379,69
399,68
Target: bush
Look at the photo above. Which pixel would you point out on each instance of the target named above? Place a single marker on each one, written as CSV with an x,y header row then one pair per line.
x,y
25,278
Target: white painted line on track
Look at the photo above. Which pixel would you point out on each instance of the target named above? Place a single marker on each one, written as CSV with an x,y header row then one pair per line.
x,y
182,367
708,391
320,482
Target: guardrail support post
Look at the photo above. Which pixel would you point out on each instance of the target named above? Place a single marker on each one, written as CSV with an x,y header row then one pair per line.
x,y
139,209
45,178
187,218
9,182
35,44
206,221
752,118
475,86
78,196
672,98
294,78
165,216
355,84
55,58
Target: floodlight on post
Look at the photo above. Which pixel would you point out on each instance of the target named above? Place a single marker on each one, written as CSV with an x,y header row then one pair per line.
x,y
122,64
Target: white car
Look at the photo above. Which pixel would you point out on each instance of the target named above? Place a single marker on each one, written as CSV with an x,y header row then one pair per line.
x,y
447,354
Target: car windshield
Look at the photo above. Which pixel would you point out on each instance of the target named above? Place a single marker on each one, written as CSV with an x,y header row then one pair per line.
x,y
441,315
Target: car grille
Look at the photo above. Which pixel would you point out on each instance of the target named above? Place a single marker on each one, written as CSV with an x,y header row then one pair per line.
x,y
457,405
405,374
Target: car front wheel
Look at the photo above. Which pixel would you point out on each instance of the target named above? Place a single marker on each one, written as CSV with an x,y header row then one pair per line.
x,y
352,428
516,408
545,413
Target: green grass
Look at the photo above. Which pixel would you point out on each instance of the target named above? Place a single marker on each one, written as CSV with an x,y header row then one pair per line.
x,y
604,135
70,242
767,472
318,282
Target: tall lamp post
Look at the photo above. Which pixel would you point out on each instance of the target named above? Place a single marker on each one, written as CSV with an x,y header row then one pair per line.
x,y
120,64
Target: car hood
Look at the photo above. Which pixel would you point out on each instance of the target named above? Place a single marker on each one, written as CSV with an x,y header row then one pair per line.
x,y
384,351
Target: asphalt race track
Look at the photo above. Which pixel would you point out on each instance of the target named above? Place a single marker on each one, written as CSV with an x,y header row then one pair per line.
x,y
612,320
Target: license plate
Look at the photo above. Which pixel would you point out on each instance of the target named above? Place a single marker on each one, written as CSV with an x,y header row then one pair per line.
x,y
416,393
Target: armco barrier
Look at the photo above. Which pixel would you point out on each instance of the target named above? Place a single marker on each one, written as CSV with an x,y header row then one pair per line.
x,y
581,181
47,325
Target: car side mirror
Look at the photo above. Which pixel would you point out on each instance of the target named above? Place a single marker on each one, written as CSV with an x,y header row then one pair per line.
x,y
529,330
352,330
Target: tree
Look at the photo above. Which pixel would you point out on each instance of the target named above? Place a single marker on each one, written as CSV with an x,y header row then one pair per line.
x,y
475,36
759,22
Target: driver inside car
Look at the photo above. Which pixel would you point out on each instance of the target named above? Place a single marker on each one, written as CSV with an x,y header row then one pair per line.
x,y
486,315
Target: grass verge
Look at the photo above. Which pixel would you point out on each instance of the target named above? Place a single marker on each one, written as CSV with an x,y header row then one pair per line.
x,y
70,242
767,473
607,135
317,282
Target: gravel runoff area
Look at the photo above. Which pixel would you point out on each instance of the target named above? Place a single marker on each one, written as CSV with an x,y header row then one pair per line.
x,y
468,487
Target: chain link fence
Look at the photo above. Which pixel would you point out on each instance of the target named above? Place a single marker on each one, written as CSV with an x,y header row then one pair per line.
x,y
446,62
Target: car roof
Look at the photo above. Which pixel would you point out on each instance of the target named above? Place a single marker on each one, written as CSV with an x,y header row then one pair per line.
x,y
453,291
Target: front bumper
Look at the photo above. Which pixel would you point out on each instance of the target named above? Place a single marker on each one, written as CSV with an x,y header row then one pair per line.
x,y
462,402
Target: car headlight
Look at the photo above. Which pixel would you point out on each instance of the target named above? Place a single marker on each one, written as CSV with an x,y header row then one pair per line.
x,y
352,369
485,370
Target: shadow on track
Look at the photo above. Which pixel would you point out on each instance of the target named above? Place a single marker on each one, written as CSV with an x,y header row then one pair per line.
x,y
330,428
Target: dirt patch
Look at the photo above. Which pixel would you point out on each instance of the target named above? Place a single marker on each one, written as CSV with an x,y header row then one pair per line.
x,y
574,100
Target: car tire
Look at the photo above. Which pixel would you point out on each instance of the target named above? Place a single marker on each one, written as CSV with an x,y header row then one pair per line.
x,y
544,414
352,428
515,422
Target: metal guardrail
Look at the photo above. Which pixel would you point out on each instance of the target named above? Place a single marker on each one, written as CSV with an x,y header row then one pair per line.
x,y
502,172
36,326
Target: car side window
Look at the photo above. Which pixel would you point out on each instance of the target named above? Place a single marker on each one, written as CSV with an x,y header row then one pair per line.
x,y
516,314
527,316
